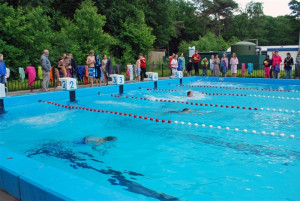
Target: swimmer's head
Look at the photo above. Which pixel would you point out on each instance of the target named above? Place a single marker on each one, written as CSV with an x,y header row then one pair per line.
x,y
189,94
110,138
186,110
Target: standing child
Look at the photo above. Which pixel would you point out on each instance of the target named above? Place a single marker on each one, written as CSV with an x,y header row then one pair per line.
x,y
211,63
181,63
98,70
204,64
137,70
224,65
189,67
267,64
234,61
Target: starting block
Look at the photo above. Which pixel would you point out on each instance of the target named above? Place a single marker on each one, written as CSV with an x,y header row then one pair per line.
x,y
177,74
68,83
116,79
152,76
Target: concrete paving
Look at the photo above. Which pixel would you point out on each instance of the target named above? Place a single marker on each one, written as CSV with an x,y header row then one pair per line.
x,y
6,197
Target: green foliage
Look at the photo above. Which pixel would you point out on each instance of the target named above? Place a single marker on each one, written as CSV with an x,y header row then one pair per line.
x,y
85,32
210,42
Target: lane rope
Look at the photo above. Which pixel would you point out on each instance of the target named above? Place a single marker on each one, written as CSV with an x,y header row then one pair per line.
x,y
224,94
209,104
238,88
168,121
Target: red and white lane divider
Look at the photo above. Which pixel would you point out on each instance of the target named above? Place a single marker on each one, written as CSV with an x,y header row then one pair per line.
x,y
205,93
208,104
167,121
230,94
239,88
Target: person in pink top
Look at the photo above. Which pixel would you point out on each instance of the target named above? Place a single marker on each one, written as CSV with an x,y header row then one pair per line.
x,y
276,61
234,62
30,70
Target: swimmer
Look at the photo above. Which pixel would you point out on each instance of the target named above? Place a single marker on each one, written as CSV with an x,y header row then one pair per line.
x,y
97,140
189,94
188,111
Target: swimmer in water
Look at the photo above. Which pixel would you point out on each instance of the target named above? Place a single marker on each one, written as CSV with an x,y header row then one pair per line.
x,y
97,140
188,111
189,94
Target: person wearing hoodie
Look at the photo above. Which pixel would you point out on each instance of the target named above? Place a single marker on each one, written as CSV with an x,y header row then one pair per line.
x,y
267,65
98,73
276,61
288,63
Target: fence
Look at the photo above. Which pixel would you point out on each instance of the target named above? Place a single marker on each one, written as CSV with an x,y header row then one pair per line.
x,y
162,69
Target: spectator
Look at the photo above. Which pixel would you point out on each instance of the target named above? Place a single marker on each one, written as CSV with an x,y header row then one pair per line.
x,y
297,67
98,70
224,65
204,64
138,70
272,67
276,61
189,67
143,66
196,59
234,61
267,64
90,61
46,66
288,63
104,62
181,63
211,63
73,66
216,69
174,64
60,70
2,70
170,59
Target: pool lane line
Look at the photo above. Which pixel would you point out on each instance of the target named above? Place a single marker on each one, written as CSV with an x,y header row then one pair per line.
x,y
238,88
230,94
166,121
208,104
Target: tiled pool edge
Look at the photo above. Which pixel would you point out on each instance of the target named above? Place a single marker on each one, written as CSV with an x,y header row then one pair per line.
x,y
27,179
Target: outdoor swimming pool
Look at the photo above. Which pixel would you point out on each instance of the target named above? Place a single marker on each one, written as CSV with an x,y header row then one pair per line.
x,y
217,151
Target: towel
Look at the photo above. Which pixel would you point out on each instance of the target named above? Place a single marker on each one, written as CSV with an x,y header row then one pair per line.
x,y
250,68
30,70
80,72
243,68
40,73
86,75
51,74
22,73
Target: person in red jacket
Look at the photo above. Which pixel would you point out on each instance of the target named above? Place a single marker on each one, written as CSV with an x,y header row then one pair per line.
x,y
196,59
143,66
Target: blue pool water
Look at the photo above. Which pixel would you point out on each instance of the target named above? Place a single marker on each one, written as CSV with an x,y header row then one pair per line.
x,y
170,161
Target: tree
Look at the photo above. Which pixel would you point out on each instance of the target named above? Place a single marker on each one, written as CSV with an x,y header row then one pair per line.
x,y
295,7
85,32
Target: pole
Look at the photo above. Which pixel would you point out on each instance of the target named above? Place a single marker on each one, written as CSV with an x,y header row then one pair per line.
x,y
72,96
121,89
2,109
155,84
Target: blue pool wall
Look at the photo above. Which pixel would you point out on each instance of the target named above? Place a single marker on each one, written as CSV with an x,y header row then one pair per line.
x,y
30,180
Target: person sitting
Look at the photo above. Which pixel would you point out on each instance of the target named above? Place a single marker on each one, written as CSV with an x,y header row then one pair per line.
x,y
96,140
189,94
60,70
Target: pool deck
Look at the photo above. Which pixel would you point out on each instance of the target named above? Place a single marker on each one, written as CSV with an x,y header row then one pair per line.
x,y
36,91
6,197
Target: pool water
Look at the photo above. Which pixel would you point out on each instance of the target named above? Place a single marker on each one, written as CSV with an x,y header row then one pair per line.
x,y
171,161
